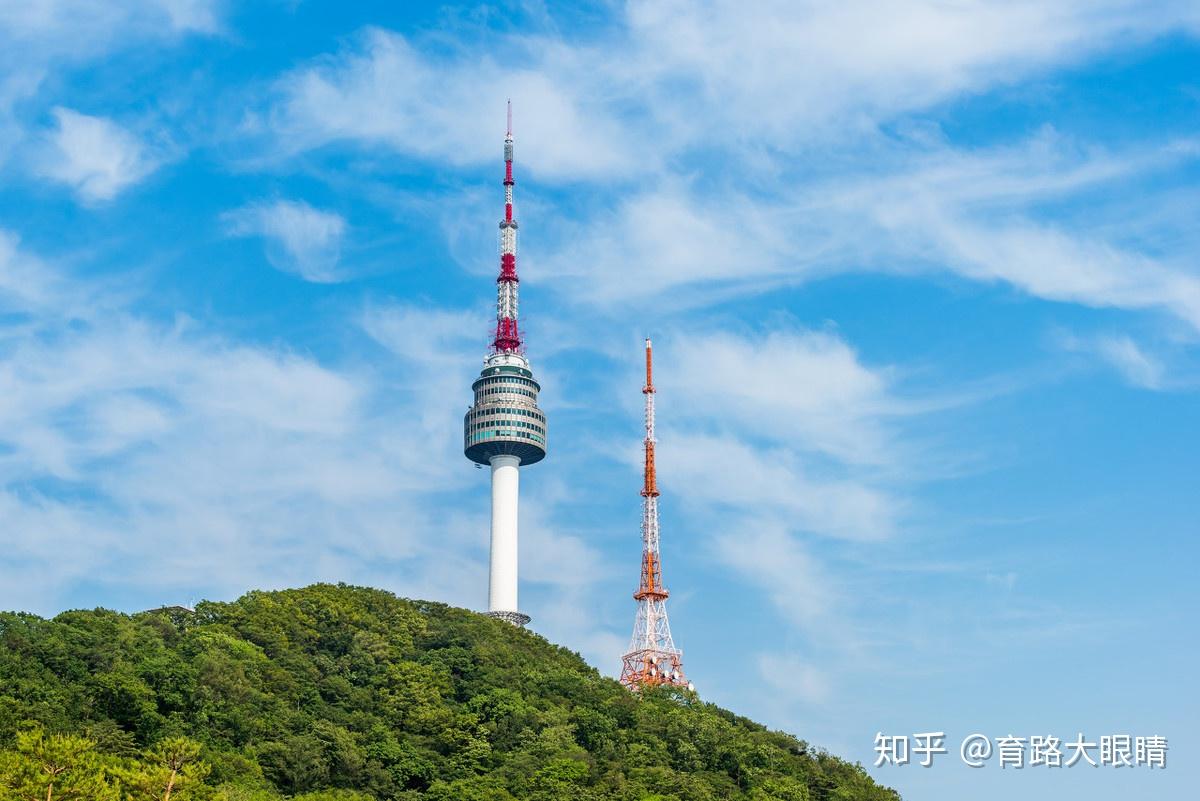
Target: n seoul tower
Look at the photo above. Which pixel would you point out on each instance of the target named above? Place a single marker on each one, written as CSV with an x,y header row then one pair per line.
x,y
504,427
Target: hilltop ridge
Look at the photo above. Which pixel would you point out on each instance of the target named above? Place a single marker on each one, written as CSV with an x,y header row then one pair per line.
x,y
350,693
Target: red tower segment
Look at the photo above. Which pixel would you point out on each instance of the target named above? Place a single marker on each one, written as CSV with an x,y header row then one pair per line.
x,y
508,335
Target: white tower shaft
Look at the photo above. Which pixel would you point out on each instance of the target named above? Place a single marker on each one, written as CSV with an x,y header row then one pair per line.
x,y
502,586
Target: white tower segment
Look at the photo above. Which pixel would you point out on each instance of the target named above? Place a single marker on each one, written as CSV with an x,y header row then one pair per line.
x,y
504,427
502,584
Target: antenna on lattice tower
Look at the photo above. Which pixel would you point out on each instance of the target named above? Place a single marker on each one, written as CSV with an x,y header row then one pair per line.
x,y
652,658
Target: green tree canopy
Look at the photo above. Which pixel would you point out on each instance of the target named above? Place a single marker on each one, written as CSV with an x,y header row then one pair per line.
x,y
337,693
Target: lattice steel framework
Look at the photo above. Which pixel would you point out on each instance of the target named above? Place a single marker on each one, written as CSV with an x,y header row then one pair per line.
x,y
508,337
652,658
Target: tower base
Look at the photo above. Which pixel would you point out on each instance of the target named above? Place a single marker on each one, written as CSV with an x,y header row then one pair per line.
x,y
652,666
518,619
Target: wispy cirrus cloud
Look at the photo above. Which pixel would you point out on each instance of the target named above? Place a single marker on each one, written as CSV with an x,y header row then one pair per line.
x,y
386,92
76,27
669,76
795,679
790,73
1137,366
94,156
729,475
980,215
797,386
43,38
301,240
778,441
972,214
23,281
166,458
770,558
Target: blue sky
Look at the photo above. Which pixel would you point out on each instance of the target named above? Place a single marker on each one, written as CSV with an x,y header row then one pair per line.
x,y
921,276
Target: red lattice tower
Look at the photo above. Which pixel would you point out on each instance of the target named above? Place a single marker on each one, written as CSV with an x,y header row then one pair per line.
x,y
652,658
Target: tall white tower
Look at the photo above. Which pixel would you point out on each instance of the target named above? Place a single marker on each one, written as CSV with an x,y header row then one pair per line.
x,y
504,428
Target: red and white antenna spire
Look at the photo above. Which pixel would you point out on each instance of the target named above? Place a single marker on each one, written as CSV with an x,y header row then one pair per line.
x,y
508,337
652,657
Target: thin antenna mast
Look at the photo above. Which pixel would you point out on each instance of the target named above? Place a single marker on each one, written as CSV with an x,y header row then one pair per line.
x,y
652,657
508,335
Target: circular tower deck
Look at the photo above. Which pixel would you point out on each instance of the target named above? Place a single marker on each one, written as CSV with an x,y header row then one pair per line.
x,y
505,419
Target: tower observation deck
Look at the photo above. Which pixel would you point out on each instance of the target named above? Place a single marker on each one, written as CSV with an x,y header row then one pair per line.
x,y
504,428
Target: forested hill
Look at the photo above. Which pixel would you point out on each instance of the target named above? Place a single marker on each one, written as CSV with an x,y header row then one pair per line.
x,y
346,693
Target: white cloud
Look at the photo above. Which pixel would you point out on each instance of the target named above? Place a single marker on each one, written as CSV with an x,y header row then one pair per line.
x,y
784,72
1120,352
389,93
777,563
804,388
22,282
797,427
94,156
301,240
167,460
1005,581
973,214
727,473
788,424
1137,366
671,76
432,347
675,244
73,29
937,227
794,678
38,38
443,332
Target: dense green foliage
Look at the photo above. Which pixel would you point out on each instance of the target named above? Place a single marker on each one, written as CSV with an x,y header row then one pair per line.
x,y
349,694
